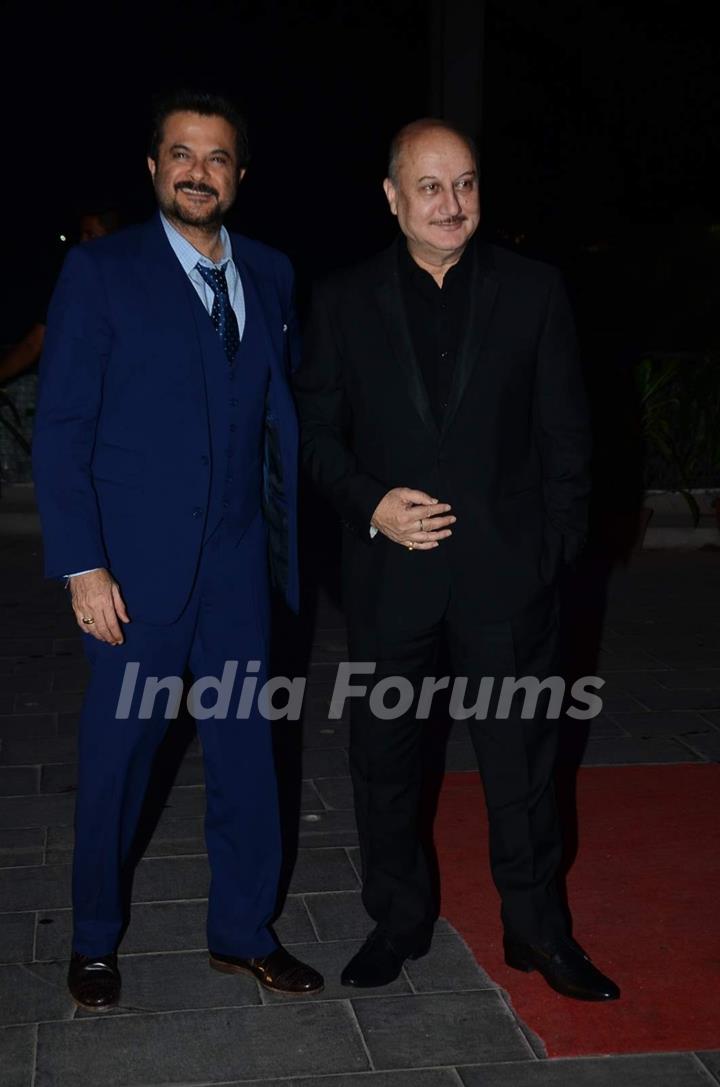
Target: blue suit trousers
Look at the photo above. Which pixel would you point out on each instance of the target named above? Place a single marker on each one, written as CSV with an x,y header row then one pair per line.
x,y
226,619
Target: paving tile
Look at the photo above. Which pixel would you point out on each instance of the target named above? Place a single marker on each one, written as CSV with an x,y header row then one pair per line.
x,y
36,888
22,847
172,837
45,750
330,644
26,683
324,763
711,1060
328,828
165,879
324,733
200,1047
322,870
17,1045
665,699
339,916
72,679
439,1029
161,926
632,752
179,982
603,726
310,799
642,725
26,647
19,780
330,959
70,646
679,679
707,745
460,757
27,726
625,660
418,1077
620,701
52,702
59,778
337,793
34,992
449,965
666,1070
17,933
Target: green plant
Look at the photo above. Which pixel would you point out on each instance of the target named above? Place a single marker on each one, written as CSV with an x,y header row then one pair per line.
x,y
679,400
13,424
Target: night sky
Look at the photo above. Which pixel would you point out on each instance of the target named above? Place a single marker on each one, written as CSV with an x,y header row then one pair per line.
x,y
597,129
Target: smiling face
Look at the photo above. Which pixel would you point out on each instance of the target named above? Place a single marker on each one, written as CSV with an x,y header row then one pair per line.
x,y
434,194
196,173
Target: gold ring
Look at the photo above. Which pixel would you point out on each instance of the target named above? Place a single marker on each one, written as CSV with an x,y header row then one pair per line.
x,y
410,546
87,620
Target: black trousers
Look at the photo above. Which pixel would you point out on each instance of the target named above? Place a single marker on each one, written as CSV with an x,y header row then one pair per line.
x,y
516,758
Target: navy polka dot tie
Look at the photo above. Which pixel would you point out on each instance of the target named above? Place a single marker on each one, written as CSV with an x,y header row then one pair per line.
x,y
222,314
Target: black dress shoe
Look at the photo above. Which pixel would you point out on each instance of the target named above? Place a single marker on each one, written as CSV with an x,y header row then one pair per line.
x,y
280,972
565,967
94,982
379,961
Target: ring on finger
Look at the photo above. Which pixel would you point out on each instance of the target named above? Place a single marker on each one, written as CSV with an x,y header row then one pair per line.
x,y
88,620
411,546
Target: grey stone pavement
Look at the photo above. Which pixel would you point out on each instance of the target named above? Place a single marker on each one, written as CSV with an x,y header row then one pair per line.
x,y
444,1022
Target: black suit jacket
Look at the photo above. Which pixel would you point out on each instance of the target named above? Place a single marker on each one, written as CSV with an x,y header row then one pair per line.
x,y
512,454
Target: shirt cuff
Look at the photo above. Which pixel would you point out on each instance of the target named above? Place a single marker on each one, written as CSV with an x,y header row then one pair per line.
x,y
79,572
373,532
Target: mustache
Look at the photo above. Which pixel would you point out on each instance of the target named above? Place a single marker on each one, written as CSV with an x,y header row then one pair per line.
x,y
200,187
450,219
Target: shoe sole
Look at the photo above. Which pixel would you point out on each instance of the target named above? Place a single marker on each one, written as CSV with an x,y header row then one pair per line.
x,y
231,968
99,1010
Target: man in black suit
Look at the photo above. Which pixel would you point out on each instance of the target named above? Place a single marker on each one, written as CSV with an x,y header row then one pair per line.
x,y
444,417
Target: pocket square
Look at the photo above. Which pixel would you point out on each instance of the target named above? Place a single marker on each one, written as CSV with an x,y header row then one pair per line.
x,y
284,328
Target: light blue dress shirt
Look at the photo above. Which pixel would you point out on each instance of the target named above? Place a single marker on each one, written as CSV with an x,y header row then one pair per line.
x,y
190,257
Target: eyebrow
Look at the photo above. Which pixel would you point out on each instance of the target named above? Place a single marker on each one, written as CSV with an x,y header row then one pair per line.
x,y
431,177
215,151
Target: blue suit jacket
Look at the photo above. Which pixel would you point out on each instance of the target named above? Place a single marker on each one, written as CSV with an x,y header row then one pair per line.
x,y
122,442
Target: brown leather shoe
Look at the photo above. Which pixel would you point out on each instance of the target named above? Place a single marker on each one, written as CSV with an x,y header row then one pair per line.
x,y
280,972
94,982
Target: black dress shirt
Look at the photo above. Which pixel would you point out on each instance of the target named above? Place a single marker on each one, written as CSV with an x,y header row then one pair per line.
x,y
436,318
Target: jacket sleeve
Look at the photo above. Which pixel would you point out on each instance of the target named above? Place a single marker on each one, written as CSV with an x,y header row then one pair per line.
x,y
563,424
325,426
77,345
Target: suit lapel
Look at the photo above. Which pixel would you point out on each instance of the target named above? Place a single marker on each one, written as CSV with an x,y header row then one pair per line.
x,y
167,290
388,295
483,291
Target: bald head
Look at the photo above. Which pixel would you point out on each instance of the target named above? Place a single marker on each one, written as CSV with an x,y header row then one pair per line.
x,y
415,130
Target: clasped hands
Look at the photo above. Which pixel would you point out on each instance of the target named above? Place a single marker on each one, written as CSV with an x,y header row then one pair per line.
x,y
413,519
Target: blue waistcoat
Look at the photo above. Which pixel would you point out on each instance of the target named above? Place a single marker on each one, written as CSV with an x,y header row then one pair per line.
x,y
236,394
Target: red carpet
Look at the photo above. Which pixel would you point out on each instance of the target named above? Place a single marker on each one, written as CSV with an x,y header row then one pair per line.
x,y
645,894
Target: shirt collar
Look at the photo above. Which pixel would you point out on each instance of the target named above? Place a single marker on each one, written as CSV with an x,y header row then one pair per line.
x,y
455,276
187,254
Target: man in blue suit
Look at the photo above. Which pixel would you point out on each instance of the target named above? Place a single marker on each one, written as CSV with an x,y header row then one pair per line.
x,y
165,456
